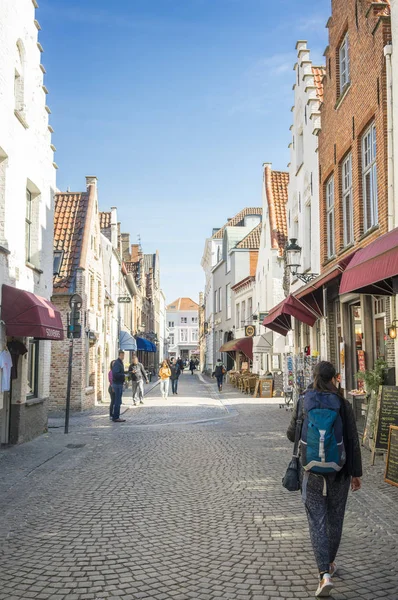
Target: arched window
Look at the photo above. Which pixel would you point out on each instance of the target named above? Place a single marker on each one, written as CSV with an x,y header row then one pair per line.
x,y
19,82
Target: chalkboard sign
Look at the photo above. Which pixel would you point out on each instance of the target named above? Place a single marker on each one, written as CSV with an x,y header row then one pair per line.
x,y
266,388
387,414
391,475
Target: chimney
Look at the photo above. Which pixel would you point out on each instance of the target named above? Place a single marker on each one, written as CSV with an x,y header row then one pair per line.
x,y
91,181
135,252
114,233
125,243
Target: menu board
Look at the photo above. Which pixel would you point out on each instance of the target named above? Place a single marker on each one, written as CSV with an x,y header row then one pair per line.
x,y
391,475
266,388
387,414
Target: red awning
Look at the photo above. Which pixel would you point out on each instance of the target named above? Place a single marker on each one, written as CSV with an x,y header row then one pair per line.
x,y
28,315
372,268
244,345
280,317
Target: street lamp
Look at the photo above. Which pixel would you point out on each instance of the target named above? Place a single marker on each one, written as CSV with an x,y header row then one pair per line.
x,y
293,261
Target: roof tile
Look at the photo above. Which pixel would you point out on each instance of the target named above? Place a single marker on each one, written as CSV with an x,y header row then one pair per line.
x,y
276,185
237,220
319,73
183,304
252,240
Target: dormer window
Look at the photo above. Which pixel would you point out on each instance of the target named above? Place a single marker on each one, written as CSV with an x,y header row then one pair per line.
x,y
57,263
344,64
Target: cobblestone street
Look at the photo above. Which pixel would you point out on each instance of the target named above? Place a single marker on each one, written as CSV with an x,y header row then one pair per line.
x,y
183,501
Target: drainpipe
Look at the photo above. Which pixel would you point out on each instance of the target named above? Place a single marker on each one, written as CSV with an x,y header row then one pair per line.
x,y
390,139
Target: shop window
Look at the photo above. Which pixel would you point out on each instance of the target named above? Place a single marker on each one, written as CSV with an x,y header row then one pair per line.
x,y
369,178
348,216
330,217
33,369
344,64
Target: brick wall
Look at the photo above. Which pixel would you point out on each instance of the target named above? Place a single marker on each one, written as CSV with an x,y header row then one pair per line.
x,y
344,120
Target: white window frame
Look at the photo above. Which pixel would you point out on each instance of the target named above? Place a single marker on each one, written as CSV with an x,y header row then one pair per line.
x,y
243,313
171,324
330,217
228,300
194,335
184,335
215,301
171,339
344,64
29,226
347,201
237,309
369,171
220,299
184,321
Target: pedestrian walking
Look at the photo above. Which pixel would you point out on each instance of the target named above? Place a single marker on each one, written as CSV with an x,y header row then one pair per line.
x,y
137,375
111,390
192,366
331,462
219,373
118,379
175,374
180,362
164,374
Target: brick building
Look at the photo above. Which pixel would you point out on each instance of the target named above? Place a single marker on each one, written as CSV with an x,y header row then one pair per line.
x,y
78,268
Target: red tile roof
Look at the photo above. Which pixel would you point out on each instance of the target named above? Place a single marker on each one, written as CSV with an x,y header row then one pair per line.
x,y
183,304
252,240
276,183
70,215
319,73
238,220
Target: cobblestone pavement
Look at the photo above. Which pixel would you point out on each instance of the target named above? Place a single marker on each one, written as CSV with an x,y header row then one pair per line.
x,y
183,501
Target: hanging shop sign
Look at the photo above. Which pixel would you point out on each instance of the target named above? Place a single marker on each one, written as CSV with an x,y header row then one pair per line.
x,y
250,331
124,299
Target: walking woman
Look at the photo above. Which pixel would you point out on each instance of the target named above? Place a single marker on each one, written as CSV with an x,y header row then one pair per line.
x,y
164,374
110,390
219,373
331,463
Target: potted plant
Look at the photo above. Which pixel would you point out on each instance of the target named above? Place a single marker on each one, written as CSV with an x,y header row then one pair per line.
x,y
373,378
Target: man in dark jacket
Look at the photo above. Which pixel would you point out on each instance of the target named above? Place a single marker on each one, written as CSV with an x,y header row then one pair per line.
x,y
175,373
138,375
118,378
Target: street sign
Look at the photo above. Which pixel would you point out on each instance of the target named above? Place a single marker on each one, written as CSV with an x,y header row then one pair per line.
x,y
124,299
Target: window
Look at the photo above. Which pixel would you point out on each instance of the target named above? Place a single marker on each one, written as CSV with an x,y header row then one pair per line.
x,y
300,150
344,64
348,224
215,301
250,309
57,261
307,237
220,299
369,178
194,319
33,369
28,226
171,324
194,335
184,335
330,216
99,295
183,320
238,315
171,339
228,300
92,291
19,80
243,314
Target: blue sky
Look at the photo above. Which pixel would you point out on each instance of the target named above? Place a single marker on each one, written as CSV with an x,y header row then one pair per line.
x,y
174,105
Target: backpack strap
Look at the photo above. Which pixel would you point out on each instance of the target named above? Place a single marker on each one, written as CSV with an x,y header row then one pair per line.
x,y
299,424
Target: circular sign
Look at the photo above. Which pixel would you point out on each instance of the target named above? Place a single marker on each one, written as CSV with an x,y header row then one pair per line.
x,y
250,330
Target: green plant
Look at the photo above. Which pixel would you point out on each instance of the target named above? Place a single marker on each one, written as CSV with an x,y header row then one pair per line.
x,y
373,378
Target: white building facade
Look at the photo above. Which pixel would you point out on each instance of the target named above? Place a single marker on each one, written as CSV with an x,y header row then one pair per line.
x,y
182,319
303,191
27,187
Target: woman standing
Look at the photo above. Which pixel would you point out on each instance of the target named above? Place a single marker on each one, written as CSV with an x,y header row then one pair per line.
x,y
331,461
110,390
164,374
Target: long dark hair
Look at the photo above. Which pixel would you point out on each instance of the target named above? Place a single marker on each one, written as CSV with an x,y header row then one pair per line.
x,y
324,372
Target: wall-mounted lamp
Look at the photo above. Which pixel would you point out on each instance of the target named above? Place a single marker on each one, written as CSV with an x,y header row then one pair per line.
x,y
392,330
293,261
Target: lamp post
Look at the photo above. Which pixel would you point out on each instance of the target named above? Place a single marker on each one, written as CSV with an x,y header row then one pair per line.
x,y
293,261
74,331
